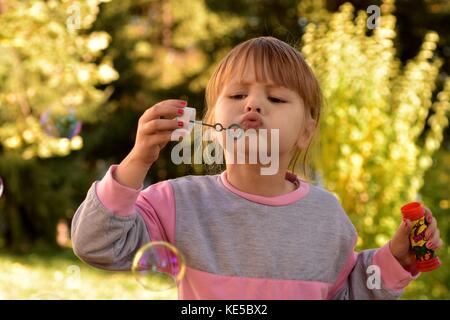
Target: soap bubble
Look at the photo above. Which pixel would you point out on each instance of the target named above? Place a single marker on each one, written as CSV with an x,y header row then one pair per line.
x,y
158,266
62,126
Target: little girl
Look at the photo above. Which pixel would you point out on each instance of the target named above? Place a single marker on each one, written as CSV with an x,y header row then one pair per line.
x,y
244,235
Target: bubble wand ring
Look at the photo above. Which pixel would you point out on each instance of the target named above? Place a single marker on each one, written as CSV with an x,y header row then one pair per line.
x,y
219,127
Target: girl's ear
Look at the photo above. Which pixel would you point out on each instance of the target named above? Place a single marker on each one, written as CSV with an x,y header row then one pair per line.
x,y
307,133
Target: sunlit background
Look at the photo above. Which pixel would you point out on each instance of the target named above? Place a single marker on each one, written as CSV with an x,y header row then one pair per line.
x,y
76,75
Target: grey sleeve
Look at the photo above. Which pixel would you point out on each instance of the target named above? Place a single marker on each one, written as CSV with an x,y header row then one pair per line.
x,y
103,239
364,283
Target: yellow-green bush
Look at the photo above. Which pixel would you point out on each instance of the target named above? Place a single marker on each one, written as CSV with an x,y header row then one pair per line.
x,y
374,149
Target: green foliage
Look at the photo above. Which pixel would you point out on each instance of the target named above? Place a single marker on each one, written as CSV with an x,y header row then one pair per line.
x,y
382,125
46,65
37,194
436,285
375,146
375,114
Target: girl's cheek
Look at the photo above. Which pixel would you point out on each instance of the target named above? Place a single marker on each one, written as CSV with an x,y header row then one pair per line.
x,y
287,138
222,111
218,115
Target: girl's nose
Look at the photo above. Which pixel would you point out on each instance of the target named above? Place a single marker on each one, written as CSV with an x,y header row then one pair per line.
x,y
251,108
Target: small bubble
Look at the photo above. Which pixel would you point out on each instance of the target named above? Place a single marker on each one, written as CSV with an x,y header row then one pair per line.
x,y
158,266
62,126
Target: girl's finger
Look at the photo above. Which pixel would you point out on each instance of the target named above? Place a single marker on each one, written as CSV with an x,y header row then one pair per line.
x,y
162,137
434,245
164,109
431,229
428,215
157,125
435,239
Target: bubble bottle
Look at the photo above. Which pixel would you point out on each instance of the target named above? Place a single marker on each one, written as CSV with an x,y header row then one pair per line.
x,y
426,259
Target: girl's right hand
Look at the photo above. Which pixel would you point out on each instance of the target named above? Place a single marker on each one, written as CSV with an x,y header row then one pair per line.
x,y
154,130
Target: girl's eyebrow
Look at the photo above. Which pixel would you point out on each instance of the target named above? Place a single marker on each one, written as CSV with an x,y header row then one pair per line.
x,y
267,84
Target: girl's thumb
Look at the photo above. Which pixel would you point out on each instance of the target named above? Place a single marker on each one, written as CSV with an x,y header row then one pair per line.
x,y
405,228
402,233
400,240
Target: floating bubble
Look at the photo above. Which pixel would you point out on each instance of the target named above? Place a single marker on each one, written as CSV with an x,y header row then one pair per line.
x,y
302,22
158,266
1,186
62,126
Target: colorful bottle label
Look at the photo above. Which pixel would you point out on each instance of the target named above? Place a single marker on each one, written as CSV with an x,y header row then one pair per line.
x,y
418,242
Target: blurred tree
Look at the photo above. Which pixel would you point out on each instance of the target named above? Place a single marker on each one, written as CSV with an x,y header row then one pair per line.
x,y
160,51
435,194
37,194
49,73
44,89
371,133
375,150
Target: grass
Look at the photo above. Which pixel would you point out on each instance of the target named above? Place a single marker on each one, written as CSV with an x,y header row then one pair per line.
x,y
62,275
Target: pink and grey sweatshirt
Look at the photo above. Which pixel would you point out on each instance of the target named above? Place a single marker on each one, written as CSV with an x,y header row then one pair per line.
x,y
237,245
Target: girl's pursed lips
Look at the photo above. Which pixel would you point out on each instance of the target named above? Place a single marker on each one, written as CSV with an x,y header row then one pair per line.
x,y
251,120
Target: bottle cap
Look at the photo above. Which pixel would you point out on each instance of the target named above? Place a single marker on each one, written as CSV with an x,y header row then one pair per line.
x,y
429,265
413,211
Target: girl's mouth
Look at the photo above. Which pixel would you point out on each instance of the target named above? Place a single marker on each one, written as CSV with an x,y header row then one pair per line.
x,y
247,124
251,120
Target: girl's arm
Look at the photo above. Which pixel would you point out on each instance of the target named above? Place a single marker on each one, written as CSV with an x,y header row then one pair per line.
x,y
369,274
114,221
372,274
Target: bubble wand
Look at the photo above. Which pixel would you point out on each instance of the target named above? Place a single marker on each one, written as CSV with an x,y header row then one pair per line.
x,y
219,127
189,117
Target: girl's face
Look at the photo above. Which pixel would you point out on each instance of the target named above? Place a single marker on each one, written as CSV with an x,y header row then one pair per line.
x,y
272,107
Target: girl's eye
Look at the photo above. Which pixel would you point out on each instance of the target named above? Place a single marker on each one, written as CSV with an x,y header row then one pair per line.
x,y
276,100
237,96
273,99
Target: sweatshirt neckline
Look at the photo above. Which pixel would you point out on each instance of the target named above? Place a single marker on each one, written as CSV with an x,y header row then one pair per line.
x,y
285,199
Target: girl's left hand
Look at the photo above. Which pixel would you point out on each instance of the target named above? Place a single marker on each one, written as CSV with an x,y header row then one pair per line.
x,y
400,245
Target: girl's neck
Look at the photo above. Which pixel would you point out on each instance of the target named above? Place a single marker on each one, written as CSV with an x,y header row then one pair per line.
x,y
248,178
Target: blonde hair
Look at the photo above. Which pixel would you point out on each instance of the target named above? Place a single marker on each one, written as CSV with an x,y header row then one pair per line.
x,y
281,63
